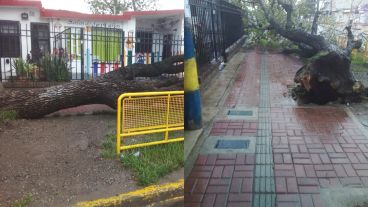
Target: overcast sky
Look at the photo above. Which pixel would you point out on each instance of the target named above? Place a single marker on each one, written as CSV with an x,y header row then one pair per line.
x,y
82,6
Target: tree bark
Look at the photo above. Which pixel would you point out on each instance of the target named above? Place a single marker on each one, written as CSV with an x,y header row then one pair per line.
x,y
315,20
35,103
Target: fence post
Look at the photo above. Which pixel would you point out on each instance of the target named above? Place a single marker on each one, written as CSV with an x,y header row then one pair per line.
x,y
192,98
122,55
223,33
213,29
81,37
1,71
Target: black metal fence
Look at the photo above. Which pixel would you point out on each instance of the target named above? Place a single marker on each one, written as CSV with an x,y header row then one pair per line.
x,y
216,24
38,54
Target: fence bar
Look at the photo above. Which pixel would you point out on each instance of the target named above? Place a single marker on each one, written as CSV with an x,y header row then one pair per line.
x,y
216,25
87,52
149,113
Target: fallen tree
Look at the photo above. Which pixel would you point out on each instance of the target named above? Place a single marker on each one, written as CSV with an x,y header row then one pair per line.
x,y
35,103
327,75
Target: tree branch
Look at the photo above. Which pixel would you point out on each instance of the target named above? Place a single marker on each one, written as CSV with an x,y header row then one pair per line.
x,y
289,10
315,20
317,42
351,43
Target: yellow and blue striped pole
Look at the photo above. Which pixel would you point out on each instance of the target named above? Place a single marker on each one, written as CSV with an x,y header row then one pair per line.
x,y
192,96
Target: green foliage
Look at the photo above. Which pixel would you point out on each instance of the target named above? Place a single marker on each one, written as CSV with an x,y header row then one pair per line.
x,y
154,162
263,42
274,44
6,116
108,146
54,68
23,68
359,58
266,40
257,26
359,62
19,65
24,202
118,6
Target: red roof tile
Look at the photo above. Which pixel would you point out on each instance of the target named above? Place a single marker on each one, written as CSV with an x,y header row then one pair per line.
x,y
77,15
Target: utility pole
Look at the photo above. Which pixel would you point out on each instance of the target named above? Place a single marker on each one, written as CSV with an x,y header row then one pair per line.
x,y
192,96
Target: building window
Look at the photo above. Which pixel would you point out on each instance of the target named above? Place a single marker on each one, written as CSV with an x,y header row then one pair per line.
x,y
143,42
9,39
40,40
107,44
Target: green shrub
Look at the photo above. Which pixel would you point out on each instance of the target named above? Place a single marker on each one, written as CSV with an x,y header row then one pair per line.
x,y
54,68
274,44
23,68
263,42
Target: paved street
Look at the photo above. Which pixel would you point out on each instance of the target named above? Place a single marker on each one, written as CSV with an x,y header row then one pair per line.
x,y
299,154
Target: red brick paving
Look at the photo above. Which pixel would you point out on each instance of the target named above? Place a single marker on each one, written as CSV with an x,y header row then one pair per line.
x,y
319,146
219,179
234,128
245,91
313,147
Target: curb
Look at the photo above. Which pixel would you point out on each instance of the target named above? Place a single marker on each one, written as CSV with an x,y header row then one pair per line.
x,y
142,197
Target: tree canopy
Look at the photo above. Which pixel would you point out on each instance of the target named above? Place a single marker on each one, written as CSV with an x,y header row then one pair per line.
x,y
118,6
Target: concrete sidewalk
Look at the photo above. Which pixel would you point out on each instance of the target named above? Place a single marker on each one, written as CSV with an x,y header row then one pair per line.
x,y
281,154
213,94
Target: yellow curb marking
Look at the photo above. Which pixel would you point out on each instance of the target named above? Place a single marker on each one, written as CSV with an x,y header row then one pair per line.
x,y
179,198
143,194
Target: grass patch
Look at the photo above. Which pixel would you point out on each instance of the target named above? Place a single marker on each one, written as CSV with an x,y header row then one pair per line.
x,y
108,146
154,162
6,116
24,202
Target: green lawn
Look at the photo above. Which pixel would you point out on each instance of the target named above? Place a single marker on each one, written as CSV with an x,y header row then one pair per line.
x,y
153,162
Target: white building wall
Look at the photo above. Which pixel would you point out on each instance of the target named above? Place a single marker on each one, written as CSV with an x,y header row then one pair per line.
x,y
58,25
14,14
160,26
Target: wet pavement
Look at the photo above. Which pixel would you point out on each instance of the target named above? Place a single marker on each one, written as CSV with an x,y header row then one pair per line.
x,y
300,151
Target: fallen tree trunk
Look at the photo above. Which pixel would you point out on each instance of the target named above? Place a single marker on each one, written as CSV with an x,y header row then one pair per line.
x,y
35,103
327,75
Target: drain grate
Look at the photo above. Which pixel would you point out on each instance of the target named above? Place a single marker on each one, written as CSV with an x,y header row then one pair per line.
x,y
232,144
239,113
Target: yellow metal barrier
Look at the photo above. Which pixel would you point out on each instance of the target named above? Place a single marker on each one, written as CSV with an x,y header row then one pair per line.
x,y
147,113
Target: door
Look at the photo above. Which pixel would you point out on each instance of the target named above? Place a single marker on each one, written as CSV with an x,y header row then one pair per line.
x,y
10,47
40,40
167,49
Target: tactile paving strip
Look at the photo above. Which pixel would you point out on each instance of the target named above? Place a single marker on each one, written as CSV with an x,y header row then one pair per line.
x,y
264,194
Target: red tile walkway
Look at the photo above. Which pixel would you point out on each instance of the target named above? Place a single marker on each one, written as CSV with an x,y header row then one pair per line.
x,y
313,147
